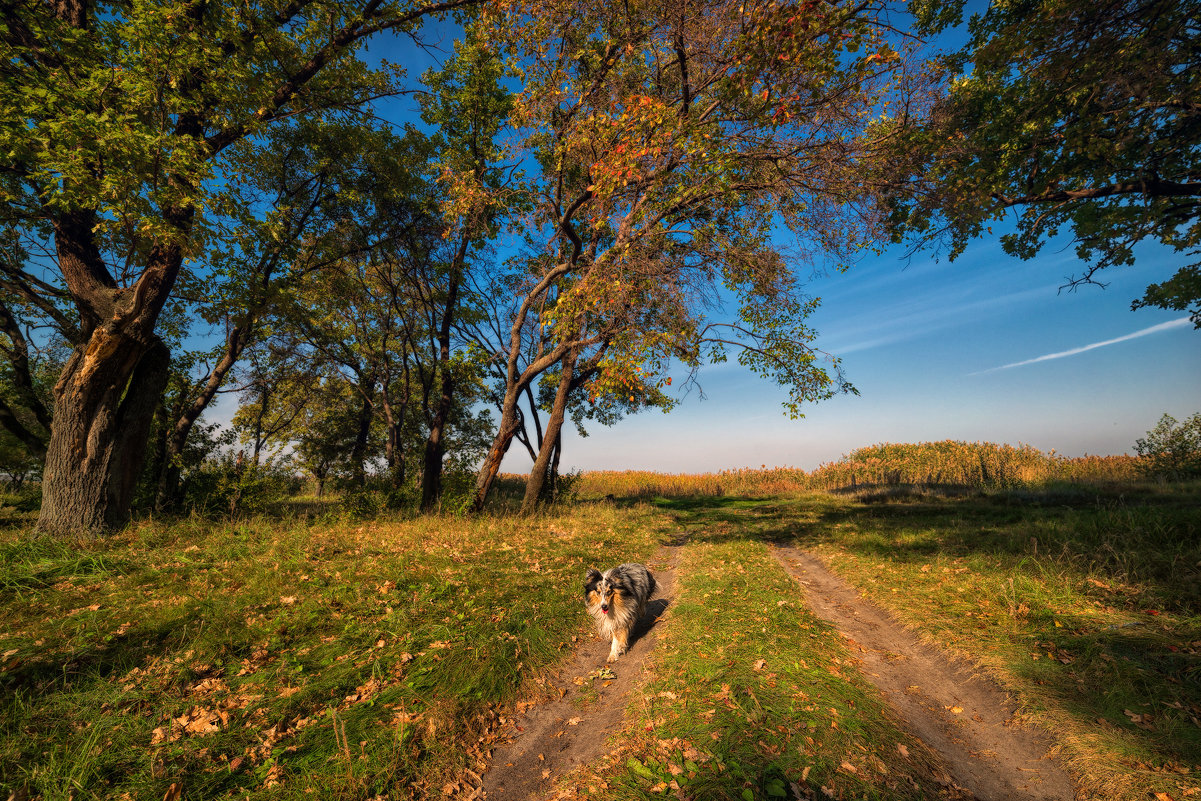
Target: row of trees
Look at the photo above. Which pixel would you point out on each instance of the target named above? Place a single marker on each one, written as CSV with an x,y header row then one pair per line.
x,y
594,195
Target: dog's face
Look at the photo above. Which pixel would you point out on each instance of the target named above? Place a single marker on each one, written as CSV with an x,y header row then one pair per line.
x,y
601,594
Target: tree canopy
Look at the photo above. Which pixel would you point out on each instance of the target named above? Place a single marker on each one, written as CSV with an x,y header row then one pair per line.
x,y
1071,114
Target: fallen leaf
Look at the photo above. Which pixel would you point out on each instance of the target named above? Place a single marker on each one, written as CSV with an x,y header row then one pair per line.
x,y
174,792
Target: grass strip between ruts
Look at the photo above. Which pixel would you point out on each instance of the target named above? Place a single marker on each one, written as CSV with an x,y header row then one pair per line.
x,y
754,698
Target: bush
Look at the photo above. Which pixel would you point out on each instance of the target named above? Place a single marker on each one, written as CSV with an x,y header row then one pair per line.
x,y
26,498
1172,450
225,486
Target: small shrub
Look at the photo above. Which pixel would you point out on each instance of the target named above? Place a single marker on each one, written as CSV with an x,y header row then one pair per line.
x,y
1172,450
26,498
458,492
226,486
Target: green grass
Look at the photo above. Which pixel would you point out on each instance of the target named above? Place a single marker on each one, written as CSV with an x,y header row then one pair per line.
x,y
347,659
1083,603
269,660
755,698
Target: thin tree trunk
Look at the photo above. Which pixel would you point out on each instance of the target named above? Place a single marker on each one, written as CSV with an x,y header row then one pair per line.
x,y
168,489
394,448
435,445
537,480
435,450
358,453
496,454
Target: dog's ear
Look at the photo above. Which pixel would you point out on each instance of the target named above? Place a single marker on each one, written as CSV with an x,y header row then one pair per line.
x,y
591,577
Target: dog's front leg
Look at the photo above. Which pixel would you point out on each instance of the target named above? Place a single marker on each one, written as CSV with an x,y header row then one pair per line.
x,y
619,646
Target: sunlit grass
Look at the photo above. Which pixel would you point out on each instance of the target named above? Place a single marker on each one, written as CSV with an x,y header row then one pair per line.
x,y
281,660
324,655
1084,606
753,697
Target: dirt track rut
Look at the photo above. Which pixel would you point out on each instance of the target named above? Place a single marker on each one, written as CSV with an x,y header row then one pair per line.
x,y
964,717
550,739
988,753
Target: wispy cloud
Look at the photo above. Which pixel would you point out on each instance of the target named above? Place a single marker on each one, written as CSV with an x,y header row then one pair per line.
x,y
1155,329
921,316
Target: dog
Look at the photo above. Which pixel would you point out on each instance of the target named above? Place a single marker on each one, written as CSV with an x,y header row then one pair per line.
x,y
616,599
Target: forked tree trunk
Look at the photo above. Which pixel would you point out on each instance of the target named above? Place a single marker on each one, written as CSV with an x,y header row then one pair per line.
x,y
104,406
542,465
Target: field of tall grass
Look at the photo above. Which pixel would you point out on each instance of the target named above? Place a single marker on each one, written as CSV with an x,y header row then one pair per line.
x,y
981,465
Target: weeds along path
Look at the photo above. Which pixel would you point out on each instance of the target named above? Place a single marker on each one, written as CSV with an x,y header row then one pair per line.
x,y
548,739
957,713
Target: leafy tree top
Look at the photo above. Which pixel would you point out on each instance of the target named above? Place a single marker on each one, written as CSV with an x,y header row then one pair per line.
x,y
1076,114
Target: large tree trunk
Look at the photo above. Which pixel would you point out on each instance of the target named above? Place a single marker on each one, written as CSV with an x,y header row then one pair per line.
x,y
542,465
104,405
107,393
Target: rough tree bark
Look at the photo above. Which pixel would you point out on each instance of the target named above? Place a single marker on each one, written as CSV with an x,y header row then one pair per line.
x,y
107,392
104,405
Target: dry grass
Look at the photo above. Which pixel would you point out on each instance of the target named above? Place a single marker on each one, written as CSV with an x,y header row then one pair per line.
x,y
976,465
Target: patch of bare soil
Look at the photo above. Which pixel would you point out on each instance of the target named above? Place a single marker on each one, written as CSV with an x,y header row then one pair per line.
x,y
967,719
550,739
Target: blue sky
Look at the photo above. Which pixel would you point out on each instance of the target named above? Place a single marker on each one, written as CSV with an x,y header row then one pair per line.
x,y
985,348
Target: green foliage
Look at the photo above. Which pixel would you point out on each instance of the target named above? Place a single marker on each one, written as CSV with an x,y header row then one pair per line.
x,y
1171,449
1072,113
17,464
229,487
27,498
